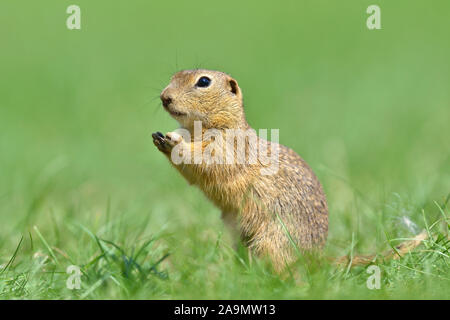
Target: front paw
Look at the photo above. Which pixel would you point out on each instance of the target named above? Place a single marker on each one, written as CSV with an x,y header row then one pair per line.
x,y
166,143
173,138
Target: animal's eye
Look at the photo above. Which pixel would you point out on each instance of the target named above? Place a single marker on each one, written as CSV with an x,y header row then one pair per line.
x,y
203,82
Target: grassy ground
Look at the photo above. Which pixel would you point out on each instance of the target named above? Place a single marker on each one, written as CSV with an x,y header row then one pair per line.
x,y
82,184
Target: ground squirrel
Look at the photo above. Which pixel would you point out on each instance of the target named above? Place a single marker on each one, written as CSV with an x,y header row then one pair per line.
x,y
276,213
265,208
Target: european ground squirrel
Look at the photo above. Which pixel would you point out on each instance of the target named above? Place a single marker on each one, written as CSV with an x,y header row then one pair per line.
x,y
267,209
277,206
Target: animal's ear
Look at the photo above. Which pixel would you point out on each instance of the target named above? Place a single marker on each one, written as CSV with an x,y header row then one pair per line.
x,y
233,86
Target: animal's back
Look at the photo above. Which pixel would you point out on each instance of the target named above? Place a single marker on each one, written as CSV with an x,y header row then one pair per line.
x,y
287,204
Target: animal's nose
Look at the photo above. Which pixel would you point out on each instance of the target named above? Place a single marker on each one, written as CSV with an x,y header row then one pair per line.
x,y
166,100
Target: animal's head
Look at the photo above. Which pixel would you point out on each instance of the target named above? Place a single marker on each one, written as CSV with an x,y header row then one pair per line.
x,y
212,97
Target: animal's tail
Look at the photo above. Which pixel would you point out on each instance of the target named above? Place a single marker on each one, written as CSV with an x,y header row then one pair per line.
x,y
395,253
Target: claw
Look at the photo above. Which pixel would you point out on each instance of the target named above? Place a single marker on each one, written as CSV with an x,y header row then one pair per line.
x,y
160,142
157,135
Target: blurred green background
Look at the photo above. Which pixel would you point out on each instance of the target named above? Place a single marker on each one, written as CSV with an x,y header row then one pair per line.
x,y
368,110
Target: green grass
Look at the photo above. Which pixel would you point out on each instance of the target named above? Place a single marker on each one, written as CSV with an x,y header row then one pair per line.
x,y
82,184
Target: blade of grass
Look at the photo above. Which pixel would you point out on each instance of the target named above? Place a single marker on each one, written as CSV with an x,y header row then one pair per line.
x,y
50,250
13,256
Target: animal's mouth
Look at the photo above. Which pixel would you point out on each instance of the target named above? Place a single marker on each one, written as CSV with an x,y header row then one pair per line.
x,y
174,113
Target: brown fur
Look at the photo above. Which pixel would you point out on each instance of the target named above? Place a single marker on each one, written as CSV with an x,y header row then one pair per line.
x,y
249,201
